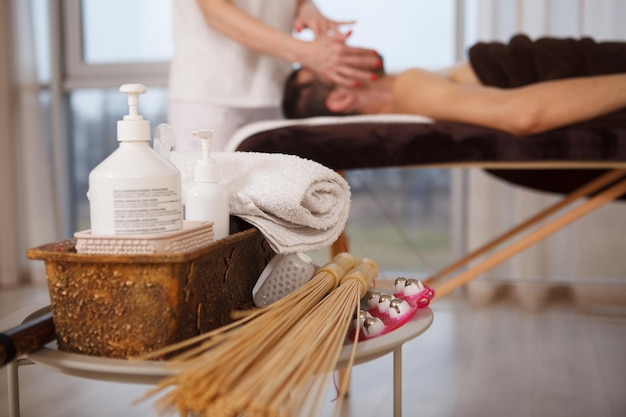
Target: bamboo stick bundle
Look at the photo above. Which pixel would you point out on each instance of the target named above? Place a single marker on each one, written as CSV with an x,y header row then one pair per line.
x,y
227,353
293,379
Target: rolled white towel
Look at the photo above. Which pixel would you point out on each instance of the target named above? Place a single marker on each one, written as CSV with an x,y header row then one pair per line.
x,y
298,204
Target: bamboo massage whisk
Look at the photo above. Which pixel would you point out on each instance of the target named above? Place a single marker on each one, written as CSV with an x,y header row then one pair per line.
x,y
276,361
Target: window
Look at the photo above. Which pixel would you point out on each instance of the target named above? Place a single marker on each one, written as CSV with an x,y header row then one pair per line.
x,y
115,42
141,31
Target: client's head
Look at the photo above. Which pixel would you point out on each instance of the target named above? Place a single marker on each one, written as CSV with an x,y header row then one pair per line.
x,y
305,95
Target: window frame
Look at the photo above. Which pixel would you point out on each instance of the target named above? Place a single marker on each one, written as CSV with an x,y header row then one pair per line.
x,y
79,74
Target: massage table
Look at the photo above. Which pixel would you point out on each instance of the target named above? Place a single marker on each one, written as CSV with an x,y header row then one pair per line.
x,y
581,162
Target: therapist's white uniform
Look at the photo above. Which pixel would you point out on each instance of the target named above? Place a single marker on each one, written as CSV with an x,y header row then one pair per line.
x,y
216,83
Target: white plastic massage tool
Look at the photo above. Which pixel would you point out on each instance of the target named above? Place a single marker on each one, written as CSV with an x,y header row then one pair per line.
x,y
283,274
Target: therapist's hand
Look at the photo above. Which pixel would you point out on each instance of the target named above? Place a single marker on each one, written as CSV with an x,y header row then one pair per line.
x,y
309,17
328,55
338,63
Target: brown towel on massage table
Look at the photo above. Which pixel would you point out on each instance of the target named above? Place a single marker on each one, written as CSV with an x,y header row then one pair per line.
x,y
523,61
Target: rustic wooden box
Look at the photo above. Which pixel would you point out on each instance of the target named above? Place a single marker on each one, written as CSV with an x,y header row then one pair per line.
x,y
126,305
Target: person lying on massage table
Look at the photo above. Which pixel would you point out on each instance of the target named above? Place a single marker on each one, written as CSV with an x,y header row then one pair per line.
x,y
457,95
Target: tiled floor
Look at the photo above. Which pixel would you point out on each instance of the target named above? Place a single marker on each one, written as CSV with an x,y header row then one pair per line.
x,y
473,361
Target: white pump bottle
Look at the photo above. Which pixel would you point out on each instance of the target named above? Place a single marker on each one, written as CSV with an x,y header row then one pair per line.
x,y
134,191
207,198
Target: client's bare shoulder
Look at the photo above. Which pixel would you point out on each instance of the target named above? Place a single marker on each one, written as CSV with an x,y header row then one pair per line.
x,y
415,91
429,93
461,73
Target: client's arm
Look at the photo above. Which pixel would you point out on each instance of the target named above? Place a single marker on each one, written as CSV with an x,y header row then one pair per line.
x,y
522,111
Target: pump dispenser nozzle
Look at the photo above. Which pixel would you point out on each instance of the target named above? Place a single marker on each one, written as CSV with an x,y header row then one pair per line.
x,y
206,168
133,127
207,198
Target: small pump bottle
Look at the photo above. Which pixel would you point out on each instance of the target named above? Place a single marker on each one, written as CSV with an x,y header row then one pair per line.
x,y
207,198
134,191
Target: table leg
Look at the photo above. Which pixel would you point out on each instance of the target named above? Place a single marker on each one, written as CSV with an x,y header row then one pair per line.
x,y
397,382
13,389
